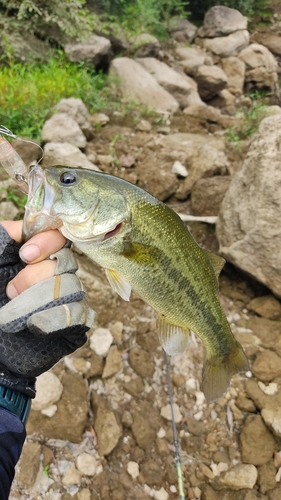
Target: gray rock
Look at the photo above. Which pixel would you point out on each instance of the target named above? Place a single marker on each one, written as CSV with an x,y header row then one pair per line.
x,y
137,84
76,109
29,464
58,153
146,45
227,46
239,477
191,58
207,195
266,306
271,41
113,363
179,86
97,49
221,20
261,66
248,223
62,128
210,80
182,30
141,362
267,366
272,418
106,424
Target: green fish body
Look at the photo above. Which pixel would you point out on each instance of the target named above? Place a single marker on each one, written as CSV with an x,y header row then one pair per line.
x,y
143,245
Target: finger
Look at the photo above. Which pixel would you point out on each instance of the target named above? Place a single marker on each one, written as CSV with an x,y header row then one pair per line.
x,y
29,276
13,228
40,246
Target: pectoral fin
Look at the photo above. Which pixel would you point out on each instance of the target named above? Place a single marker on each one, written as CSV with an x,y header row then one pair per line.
x,y
173,338
118,284
217,262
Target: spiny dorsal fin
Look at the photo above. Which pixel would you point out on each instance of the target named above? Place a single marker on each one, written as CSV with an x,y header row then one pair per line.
x,y
173,338
118,284
217,262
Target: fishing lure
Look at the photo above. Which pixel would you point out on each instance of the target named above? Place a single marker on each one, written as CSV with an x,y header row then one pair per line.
x,y
11,161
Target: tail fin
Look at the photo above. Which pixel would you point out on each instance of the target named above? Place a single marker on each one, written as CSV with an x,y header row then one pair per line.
x,y
218,371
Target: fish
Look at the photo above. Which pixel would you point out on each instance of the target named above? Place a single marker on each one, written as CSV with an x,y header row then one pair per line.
x,y
143,245
11,161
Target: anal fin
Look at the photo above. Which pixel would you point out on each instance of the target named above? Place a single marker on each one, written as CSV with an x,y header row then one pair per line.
x,y
119,284
173,338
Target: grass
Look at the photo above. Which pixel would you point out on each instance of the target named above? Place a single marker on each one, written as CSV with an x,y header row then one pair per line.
x,y
28,92
251,120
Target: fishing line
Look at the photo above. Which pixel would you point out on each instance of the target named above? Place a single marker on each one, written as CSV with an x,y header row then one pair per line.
x,y
5,131
175,434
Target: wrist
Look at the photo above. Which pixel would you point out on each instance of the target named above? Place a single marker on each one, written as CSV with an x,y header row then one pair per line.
x,y
16,402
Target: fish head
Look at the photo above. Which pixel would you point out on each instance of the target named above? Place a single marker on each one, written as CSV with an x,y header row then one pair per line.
x,y
76,201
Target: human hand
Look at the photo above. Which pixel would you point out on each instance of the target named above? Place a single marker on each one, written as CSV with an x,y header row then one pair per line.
x,y
48,316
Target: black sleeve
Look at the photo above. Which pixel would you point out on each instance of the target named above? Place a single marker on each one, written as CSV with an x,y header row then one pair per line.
x,y
12,436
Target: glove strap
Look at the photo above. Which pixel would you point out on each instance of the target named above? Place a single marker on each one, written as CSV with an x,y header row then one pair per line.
x,y
16,402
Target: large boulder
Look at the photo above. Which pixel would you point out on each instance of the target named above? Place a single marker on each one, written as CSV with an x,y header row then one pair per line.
x,y
62,128
221,21
191,58
261,66
234,69
137,84
248,227
96,49
77,110
271,41
180,86
210,80
226,46
182,30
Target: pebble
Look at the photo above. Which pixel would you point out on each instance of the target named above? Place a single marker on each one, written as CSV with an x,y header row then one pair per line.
x,y
179,169
84,494
239,477
86,464
161,433
272,418
113,362
50,411
267,366
144,126
133,469
100,341
166,412
159,494
117,331
49,390
71,476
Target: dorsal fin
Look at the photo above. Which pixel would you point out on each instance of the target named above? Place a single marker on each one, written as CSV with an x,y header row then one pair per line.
x,y
217,262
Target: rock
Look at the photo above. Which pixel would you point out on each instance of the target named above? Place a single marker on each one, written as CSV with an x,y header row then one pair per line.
x,y
29,464
97,50
204,112
8,211
227,46
146,45
48,391
250,238
275,494
257,443
167,414
99,119
179,169
62,128
135,386
239,477
100,341
182,30
221,20
141,362
136,83
234,69
223,100
267,366
172,81
84,494
106,425
57,153
133,469
272,418
206,162
261,66
113,363
86,464
76,109
207,195
266,306
116,331
191,58
26,48
210,80
71,476
271,41
70,419
268,332
144,126
151,473
146,422
266,477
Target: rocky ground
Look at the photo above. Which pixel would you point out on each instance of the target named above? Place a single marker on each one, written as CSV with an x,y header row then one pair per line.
x,y
100,428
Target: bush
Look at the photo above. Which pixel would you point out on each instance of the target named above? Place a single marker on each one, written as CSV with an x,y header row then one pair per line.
x,y
246,7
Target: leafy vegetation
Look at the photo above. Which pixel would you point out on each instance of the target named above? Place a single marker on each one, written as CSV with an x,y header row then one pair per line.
x,y
28,92
249,123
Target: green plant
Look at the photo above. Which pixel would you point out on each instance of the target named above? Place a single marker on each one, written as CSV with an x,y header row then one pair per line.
x,y
28,92
246,7
18,198
250,123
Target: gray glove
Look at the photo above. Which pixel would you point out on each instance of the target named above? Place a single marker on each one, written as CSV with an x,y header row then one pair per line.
x,y
43,323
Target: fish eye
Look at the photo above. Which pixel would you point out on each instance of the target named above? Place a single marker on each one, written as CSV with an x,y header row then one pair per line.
x,y
67,178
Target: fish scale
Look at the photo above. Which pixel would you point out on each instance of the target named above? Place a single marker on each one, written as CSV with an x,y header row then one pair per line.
x,y
143,245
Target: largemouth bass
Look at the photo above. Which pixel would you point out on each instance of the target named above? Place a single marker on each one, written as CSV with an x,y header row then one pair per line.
x,y
143,245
